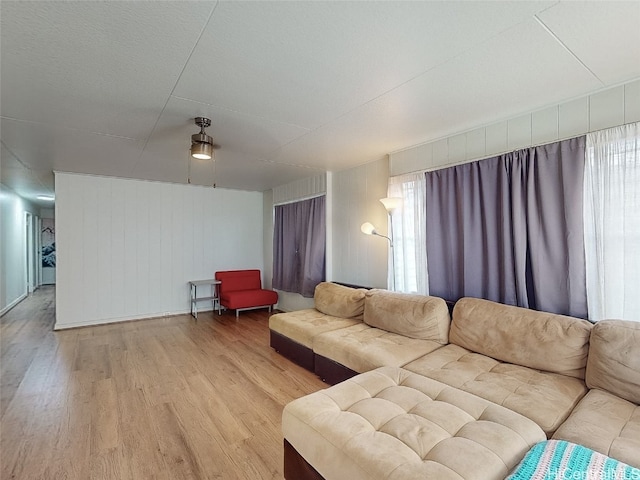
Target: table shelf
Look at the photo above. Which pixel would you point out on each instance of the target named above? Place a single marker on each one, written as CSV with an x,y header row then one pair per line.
x,y
214,298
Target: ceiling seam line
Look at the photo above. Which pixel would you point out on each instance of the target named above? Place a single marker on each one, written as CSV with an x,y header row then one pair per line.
x,y
24,165
29,169
73,129
240,112
568,50
386,92
184,67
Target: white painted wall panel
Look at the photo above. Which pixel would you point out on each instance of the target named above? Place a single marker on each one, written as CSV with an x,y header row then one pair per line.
x,y
574,118
440,153
89,242
476,144
497,138
166,196
632,102
457,148
358,258
519,132
544,126
13,281
608,108
158,235
303,188
104,231
126,248
267,240
142,248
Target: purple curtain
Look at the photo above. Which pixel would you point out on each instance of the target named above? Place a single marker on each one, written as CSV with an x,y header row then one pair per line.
x,y
509,229
299,236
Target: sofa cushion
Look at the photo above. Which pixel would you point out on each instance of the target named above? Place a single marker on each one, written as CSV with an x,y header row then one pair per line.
x,y
606,424
248,298
362,348
233,280
415,316
392,424
302,325
614,359
539,340
338,300
544,397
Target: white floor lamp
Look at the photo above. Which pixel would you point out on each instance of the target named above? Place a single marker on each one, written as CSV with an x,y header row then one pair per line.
x,y
390,204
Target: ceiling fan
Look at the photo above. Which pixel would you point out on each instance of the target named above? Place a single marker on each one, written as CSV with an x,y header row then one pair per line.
x,y
202,146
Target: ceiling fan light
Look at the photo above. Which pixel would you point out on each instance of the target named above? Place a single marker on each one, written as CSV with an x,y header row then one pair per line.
x,y
201,143
202,151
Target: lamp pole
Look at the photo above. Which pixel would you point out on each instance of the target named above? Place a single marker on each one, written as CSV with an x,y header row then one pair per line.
x,y
393,257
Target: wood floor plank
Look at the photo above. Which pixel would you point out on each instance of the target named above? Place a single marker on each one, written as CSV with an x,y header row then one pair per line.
x,y
105,431
165,399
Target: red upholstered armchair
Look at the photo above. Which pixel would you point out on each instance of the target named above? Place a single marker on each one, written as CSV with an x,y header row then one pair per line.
x,y
242,290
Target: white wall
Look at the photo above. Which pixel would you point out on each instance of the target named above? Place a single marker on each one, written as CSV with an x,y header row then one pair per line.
x,y
126,248
358,258
13,247
605,109
267,241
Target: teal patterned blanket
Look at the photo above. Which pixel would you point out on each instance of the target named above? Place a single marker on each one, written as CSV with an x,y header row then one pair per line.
x,y
560,460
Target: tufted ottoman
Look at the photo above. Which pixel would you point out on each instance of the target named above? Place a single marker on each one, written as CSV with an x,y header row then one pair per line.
x,y
390,423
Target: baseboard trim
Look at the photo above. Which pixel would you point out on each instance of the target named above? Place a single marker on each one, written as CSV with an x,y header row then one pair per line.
x,y
13,304
133,318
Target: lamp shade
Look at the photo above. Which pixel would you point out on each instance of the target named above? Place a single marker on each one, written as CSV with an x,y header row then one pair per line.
x,y
391,203
368,229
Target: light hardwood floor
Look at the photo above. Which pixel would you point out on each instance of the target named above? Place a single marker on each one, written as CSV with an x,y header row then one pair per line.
x,y
167,398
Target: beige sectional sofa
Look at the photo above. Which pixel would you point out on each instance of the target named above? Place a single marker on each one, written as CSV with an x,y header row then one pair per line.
x,y
419,325
466,398
607,419
336,307
530,362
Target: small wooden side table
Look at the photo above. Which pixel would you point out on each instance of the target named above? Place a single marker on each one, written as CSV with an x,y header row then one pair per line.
x,y
214,298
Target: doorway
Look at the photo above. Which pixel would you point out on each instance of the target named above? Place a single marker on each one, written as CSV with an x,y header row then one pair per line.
x,y
31,254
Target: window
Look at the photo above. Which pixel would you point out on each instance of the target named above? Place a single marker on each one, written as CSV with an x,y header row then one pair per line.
x,y
409,244
299,239
612,222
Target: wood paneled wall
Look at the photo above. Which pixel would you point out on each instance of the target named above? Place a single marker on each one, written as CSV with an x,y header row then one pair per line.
x,y
357,258
126,248
609,108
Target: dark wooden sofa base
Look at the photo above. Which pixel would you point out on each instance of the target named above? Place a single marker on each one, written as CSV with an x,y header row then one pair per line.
x,y
332,372
296,467
329,371
292,350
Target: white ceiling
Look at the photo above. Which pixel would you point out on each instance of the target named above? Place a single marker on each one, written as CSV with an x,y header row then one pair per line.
x,y
292,88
